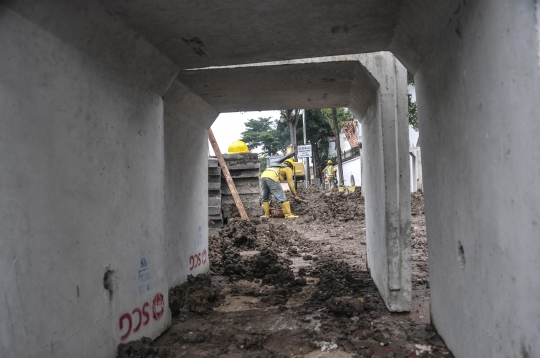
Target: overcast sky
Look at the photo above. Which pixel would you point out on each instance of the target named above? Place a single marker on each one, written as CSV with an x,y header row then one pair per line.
x,y
228,127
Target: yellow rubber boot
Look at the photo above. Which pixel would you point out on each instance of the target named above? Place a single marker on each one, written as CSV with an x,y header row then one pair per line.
x,y
286,207
266,208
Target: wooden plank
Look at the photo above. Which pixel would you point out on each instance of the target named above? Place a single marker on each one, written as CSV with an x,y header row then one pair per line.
x,y
227,176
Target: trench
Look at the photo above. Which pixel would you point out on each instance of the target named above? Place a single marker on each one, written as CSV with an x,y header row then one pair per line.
x,y
297,288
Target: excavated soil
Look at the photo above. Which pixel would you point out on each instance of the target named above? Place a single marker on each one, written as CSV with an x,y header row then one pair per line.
x,y
297,288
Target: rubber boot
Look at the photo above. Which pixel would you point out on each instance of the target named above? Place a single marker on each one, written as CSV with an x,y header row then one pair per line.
x,y
286,207
266,208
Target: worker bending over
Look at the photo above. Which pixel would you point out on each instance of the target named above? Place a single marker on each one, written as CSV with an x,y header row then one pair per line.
x,y
270,180
330,180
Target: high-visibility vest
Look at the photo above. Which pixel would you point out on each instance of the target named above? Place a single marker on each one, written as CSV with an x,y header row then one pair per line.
x,y
329,170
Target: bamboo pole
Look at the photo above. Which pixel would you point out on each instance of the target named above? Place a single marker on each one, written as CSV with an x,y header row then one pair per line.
x,y
227,176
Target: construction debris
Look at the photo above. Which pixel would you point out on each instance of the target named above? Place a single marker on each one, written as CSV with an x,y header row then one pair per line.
x,y
293,288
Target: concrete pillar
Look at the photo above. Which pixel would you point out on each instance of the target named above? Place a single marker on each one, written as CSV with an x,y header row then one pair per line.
x,y
385,180
419,181
413,172
478,104
416,168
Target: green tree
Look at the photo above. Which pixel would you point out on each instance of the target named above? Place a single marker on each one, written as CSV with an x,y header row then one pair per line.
x,y
343,115
262,133
318,130
413,113
262,162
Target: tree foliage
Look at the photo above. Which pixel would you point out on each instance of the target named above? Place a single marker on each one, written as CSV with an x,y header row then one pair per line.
x,y
410,78
262,133
413,113
318,128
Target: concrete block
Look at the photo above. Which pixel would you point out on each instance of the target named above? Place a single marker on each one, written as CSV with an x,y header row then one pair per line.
x,y
212,163
214,186
213,171
215,217
228,199
214,200
246,181
242,189
245,173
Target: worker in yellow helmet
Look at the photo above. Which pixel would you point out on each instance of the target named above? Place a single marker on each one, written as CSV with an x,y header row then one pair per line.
x,y
330,176
270,181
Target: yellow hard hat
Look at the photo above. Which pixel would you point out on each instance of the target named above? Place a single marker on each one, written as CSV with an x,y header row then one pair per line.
x,y
329,162
289,162
238,147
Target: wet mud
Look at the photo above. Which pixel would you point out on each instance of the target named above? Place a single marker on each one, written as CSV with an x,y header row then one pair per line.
x,y
297,288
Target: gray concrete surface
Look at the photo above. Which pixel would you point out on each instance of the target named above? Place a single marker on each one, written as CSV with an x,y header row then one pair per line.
x,y
94,159
94,181
416,169
385,181
110,190
479,109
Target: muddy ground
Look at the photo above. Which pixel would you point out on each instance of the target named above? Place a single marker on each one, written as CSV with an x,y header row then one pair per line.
x,y
297,288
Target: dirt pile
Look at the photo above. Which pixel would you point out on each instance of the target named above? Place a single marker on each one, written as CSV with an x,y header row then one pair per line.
x,y
244,237
196,295
320,205
336,279
297,288
417,203
143,348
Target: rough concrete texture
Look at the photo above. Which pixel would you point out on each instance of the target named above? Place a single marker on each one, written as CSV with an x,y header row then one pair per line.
x,y
87,159
416,169
385,147
196,35
478,113
92,186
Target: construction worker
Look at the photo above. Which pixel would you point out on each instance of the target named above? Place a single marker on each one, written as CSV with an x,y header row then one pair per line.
x,y
270,181
329,176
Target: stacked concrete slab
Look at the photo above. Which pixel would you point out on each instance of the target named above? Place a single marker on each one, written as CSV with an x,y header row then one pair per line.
x,y
244,169
215,218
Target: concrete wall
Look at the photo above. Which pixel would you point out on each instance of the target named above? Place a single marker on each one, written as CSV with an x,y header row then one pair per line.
x,y
353,168
479,109
93,185
386,180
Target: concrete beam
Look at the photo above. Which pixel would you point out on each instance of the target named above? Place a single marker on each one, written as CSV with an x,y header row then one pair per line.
x,y
201,34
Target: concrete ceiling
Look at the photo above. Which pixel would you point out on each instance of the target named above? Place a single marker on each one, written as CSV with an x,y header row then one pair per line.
x,y
196,34
300,85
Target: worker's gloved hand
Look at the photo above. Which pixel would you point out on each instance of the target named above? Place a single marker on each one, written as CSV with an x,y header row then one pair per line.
x,y
297,198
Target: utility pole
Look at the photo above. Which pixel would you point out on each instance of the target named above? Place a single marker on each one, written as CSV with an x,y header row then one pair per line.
x,y
307,180
292,130
338,147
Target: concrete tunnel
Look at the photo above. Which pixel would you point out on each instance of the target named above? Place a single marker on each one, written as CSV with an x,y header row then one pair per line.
x,y
102,112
